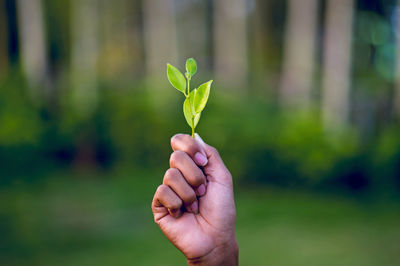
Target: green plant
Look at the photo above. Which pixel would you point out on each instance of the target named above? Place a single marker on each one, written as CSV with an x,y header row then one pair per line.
x,y
196,99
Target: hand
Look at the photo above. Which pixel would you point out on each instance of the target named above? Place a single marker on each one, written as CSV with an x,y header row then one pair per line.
x,y
195,208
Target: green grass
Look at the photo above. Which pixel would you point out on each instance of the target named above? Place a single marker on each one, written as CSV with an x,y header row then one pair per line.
x,y
105,219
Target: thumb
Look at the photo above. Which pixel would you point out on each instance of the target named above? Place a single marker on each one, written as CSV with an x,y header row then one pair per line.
x,y
211,152
215,168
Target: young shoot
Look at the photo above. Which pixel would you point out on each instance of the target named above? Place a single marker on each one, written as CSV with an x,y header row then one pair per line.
x,y
196,99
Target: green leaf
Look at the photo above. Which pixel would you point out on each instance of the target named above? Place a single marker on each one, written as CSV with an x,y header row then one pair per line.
x,y
191,100
191,67
196,119
176,78
201,96
188,114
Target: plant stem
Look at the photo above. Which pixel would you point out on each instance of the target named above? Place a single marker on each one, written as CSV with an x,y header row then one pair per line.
x,y
188,93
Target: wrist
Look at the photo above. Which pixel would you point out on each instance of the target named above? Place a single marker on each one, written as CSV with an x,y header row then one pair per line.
x,y
226,254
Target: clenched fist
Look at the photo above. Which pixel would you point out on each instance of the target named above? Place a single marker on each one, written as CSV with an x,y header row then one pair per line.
x,y
194,207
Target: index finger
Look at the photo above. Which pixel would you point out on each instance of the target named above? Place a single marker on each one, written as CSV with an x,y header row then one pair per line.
x,y
186,143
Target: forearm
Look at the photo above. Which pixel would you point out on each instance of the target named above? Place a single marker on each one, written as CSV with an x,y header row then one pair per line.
x,y
224,255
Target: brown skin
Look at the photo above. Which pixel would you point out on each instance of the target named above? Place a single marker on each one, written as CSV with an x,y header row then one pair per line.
x,y
195,207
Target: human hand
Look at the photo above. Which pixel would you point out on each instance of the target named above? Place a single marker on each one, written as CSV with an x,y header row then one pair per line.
x,y
195,208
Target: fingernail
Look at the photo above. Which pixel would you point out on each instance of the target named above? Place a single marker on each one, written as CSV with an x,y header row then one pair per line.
x,y
201,190
200,159
194,207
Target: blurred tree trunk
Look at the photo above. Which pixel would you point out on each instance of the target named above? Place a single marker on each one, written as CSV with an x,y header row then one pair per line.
x,y
299,53
84,74
33,45
84,55
119,51
230,42
259,45
337,63
192,32
397,82
159,37
3,39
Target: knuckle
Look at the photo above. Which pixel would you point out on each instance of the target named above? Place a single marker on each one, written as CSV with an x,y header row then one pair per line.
x,y
176,204
197,180
192,148
189,197
175,157
170,175
162,189
170,202
177,137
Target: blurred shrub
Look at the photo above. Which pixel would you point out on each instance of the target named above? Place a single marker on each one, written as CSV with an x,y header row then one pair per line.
x,y
19,118
385,161
259,142
21,127
262,144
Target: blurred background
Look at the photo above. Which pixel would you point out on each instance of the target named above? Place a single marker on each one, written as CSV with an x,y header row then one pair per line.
x,y
304,108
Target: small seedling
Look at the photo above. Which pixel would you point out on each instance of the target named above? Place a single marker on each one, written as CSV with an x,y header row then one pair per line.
x,y
196,99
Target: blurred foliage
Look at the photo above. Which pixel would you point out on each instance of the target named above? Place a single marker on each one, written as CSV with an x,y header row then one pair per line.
x,y
20,119
261,141
258,141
